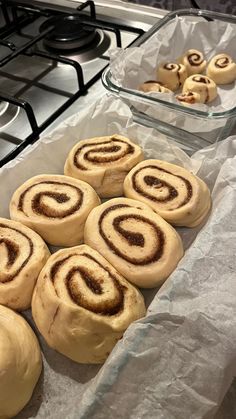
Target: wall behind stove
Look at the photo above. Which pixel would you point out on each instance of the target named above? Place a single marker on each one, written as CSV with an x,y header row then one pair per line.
x,y
224,6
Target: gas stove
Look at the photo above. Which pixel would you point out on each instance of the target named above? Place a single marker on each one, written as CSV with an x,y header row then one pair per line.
x,y
51,60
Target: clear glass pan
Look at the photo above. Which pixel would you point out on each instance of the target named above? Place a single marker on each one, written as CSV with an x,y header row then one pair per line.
x,y
219,124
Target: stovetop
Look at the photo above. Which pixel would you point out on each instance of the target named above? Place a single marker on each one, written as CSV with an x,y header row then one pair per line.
x,y
40,85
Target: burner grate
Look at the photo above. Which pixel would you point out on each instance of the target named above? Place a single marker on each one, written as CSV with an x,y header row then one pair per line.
x,y
18,16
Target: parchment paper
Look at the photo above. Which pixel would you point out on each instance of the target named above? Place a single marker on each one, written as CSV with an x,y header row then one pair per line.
x,y
179,361
134,66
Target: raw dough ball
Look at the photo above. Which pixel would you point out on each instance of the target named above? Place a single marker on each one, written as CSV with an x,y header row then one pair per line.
x,y
103,162
202,85
22,256
82,305
194,61
20,362
174,193
222,69
55,206
172,75
140,244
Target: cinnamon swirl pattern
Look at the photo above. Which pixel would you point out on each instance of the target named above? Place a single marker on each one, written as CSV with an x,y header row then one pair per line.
x,y
202,85
103,162
222,69
172,75
136,241
20,362
171,191
82,305
153,86
22,256
194,61
55,206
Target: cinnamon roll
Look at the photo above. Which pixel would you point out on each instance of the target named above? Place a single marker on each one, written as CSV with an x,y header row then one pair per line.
x,y
22,255
20,362
153,86
189,98
103,162
194,61
55,206
203,85
82,305
142,246
171,191
222,69
172,75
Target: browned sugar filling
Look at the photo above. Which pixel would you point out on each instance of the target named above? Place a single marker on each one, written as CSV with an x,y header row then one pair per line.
x,y
101,149
108,307
13,251
132,238
222,62
195,59
201,79
187,97
158,183
39,207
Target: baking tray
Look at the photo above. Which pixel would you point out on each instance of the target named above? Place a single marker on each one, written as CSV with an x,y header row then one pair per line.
x,y
162,366
206,126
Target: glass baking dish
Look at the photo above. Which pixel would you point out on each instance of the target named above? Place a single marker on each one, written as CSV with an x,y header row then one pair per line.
x,y
154,112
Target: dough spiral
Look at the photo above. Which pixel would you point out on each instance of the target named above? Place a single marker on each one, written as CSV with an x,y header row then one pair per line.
x,y
22,256
222,69
82,305
55,206
171,191
202,85
139,243
172,75
194,61
103,162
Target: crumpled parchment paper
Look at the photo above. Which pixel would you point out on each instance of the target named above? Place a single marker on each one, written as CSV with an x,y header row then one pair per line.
x,y
179,361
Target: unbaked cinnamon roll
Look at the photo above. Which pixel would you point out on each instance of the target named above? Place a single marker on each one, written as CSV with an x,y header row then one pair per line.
x,y
172,75
103,162
22,256
153,86
82,305
20,362
143,247
174,193
55,206
194,61
222,69
202,85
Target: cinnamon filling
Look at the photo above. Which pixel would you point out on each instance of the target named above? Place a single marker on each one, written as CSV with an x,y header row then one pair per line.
x,y
132,238
39,207
107,307
195,59
201,79
158,183
222,62
103,148
13,251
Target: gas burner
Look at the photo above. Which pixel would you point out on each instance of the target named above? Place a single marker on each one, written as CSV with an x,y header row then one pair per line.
x,y
8,114
71,38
